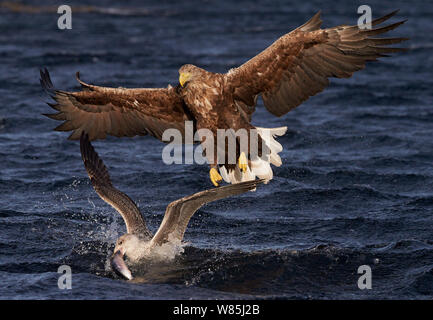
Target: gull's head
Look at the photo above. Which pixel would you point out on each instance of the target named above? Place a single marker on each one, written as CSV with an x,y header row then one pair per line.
x,y
188,73
127,245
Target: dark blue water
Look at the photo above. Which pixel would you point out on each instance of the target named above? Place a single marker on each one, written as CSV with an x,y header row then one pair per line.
x,y
355,187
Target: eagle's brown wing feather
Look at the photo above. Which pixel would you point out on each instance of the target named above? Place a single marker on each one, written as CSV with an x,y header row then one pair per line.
x,y
298,65
99,111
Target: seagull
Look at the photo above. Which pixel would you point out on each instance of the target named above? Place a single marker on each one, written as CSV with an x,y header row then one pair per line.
x,y
139,242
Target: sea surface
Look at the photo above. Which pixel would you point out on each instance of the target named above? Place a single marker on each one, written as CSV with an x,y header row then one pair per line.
x,y
355,187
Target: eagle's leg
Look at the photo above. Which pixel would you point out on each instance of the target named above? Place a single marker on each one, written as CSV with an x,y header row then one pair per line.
x,y
215,177
243,162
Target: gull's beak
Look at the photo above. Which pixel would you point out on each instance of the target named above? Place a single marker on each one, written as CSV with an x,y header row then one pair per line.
x,y
183,78
119,266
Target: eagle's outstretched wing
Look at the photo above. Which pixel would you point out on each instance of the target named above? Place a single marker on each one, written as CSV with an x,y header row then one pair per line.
x,y
119,112
298,65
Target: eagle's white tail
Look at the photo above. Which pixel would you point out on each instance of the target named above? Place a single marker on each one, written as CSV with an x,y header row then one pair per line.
x,y
260,168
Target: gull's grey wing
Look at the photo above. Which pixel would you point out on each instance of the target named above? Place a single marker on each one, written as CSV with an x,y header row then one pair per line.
x,y
179,212
101,182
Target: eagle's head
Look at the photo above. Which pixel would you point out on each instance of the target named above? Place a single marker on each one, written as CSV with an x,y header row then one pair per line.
x,y
188,73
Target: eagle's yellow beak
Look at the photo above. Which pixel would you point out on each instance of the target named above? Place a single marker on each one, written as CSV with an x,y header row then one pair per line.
x,y
184,77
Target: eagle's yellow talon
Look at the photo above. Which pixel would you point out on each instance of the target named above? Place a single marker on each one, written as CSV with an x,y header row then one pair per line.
x,y
215,176
242,162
